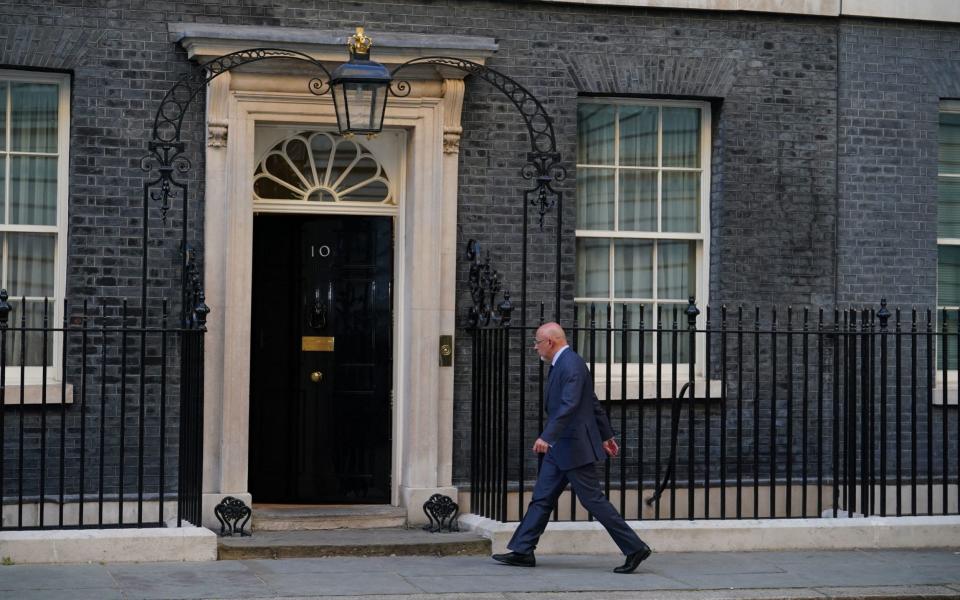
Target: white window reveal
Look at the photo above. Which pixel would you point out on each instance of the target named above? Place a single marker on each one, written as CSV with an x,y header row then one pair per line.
x,y
643,184
34,138
319,167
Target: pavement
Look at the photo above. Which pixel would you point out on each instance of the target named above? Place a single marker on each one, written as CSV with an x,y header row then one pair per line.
x,y
859,574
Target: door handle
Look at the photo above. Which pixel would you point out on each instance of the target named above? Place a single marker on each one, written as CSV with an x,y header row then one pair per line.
x,y
316,377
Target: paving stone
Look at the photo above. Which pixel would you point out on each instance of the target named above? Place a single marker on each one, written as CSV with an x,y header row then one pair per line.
x,y
61,594
906,591
544,582
760,594
186,580
39,577
335,584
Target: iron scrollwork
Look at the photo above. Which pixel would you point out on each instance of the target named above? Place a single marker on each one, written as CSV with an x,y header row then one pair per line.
x,y
167,158
539,123
229,512
484,286
544,168
543,161
441,513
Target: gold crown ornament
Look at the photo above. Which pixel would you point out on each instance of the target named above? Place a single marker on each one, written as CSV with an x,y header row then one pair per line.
x,y
359,43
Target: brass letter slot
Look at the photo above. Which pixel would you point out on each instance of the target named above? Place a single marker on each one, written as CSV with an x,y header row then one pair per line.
x,y
446,350
316,343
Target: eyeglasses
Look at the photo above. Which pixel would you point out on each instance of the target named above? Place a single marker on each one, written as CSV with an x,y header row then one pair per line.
x,y
537,342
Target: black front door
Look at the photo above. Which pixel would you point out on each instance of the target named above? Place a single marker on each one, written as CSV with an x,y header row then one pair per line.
x,y
321,360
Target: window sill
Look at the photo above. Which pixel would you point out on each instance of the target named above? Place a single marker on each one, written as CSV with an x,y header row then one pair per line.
x,y
952,393
650,389
33,394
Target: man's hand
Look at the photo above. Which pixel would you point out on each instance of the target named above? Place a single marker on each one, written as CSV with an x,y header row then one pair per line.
x,y
540,446
611,448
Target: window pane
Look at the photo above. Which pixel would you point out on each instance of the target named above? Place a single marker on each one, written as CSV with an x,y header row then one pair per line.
x,y
33,117
681,201
673,320
950,327
30,344
3,115
591,341
296,151
595,134
595,198
948,276
33,190
30,264
948,207
593,268
676,270
277,165
3,188
681,137
638,136
638,200
949,143
633,269
632,353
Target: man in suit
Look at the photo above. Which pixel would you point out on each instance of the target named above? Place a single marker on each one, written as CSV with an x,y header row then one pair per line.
x,y
572,441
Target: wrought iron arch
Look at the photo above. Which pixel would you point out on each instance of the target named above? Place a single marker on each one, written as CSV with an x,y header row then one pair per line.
x,y
544,166
167,158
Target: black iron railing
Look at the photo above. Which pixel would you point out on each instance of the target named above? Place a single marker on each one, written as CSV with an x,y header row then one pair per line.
x,y
742,413
102,427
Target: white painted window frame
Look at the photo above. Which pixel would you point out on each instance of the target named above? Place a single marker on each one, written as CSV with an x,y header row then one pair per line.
x,y
950,106
702,258
34,375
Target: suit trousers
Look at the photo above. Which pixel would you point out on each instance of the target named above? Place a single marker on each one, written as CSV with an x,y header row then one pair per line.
x,y
586,485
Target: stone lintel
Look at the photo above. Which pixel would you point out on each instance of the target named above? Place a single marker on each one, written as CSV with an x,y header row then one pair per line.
x,y
207,41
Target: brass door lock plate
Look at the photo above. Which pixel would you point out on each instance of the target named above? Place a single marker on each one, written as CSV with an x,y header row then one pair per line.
x,y
446,350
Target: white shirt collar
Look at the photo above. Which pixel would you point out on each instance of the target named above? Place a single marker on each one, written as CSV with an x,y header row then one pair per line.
x,y
557,355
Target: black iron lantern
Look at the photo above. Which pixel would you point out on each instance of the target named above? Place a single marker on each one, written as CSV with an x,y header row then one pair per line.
x,y
359,89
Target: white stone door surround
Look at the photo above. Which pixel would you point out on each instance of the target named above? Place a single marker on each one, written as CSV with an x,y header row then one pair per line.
x,y
425,270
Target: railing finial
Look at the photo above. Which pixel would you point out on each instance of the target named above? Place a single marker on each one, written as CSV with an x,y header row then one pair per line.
x,y
883,314
692,312
505,309
4,308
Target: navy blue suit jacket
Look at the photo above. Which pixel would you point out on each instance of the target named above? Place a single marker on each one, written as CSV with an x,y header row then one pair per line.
x,y
577,425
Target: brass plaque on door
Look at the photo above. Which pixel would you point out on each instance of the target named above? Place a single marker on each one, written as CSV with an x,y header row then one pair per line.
x,y
316,343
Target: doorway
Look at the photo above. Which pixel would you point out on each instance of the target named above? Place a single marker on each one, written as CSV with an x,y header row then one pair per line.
x,y
321,360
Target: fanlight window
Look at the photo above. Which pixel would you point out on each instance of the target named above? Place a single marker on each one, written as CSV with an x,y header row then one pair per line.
x,y
320,167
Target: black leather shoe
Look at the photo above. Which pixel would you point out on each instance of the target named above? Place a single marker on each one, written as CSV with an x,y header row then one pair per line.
x,y
515,559
633,560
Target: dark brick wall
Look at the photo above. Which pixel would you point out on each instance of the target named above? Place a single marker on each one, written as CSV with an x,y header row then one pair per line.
x,y
893,75
779,232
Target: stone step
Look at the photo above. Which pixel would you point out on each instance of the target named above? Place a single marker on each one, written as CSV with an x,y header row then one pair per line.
x,y
395,541
298,517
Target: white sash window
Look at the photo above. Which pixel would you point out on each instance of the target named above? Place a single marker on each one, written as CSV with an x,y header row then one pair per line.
x,y
34,135
643,182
